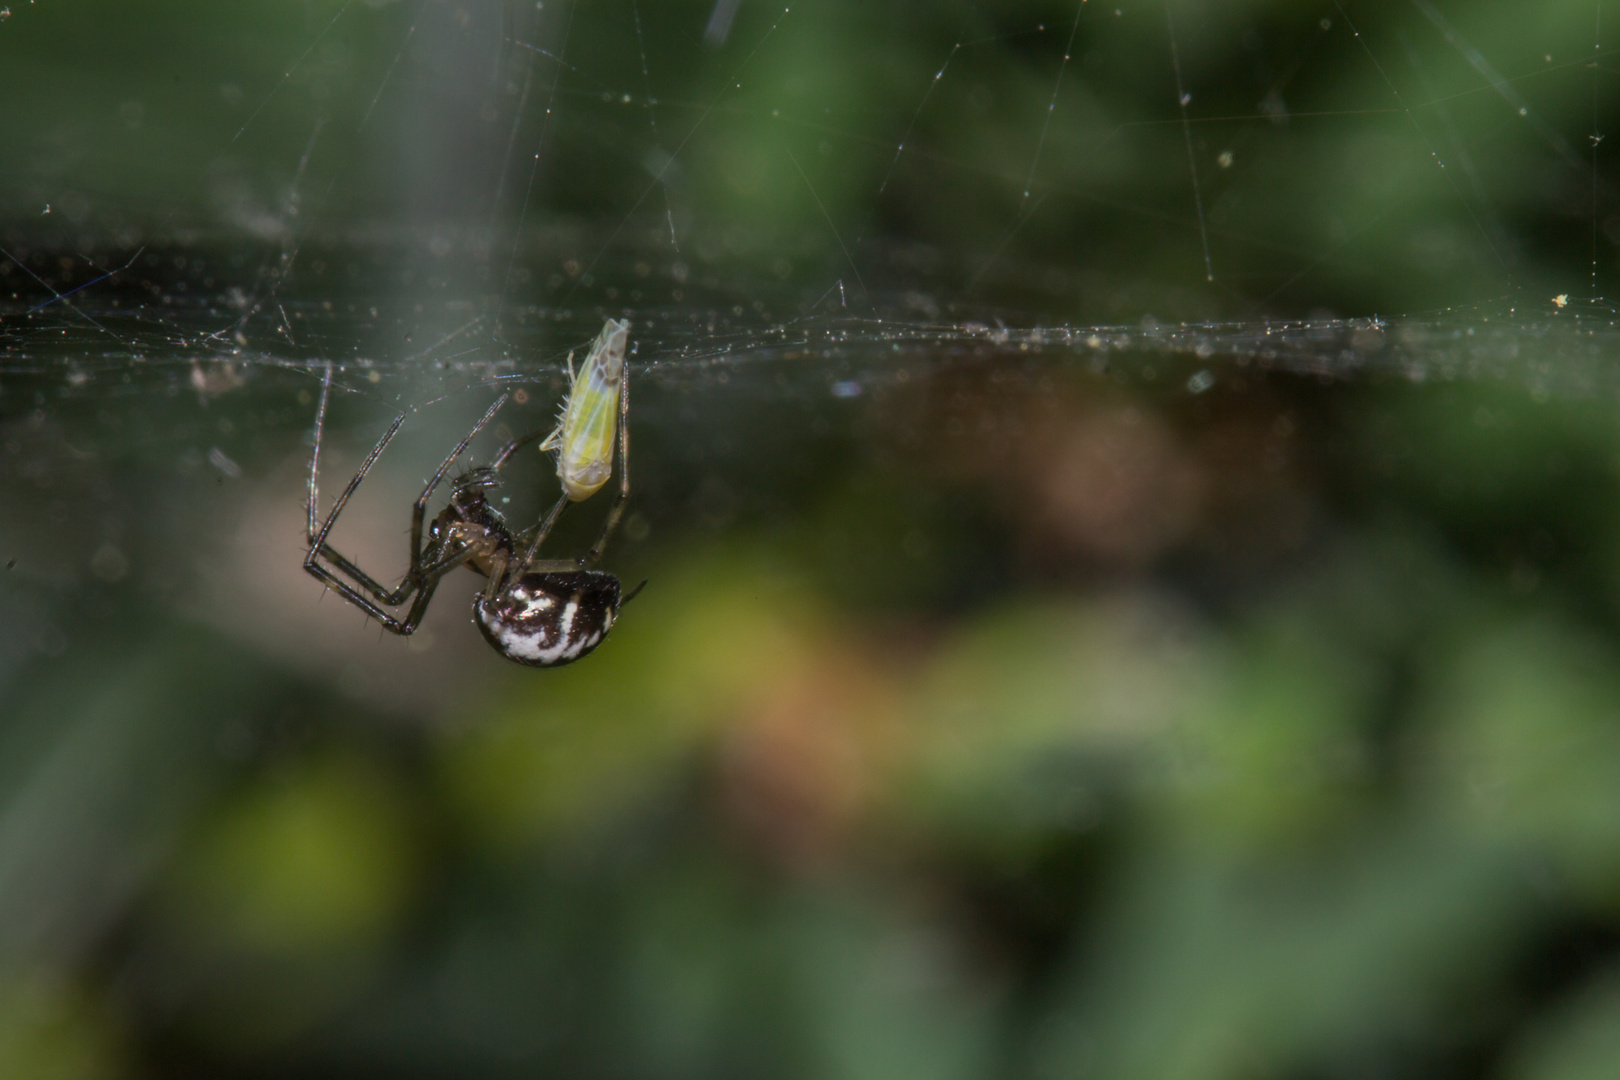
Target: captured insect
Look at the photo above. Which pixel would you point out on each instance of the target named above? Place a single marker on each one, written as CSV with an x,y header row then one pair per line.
x,y
583,439
541,612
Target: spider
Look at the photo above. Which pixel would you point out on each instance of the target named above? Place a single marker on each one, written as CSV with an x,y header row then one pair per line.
x,y
540,612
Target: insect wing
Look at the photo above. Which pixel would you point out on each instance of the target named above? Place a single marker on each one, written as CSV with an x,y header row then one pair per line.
x,y
590,422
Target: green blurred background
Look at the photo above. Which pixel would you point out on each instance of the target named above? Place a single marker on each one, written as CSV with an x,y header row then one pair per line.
x,y
1002,703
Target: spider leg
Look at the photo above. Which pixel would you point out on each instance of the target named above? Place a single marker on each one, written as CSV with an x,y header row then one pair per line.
x,y
357,598
442,565
430,578
384,594
317,541
619,501
413,617
318,545
316,533
420,508
315,455
521,567
517,444
423,582
429,563
589,558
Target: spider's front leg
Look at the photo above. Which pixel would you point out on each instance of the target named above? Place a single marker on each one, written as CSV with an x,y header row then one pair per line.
x,y
428,564
318,531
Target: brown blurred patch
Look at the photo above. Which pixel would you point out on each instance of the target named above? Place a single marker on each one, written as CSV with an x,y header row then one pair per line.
x,y
798,768
1257,506
1088,474
1112,484
1098,478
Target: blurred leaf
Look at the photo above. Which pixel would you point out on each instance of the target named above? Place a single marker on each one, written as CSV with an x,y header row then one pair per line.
x,y
1276,748
1498,466
1009,708
1525,746
46,1033
303,862
102,774
1207,969
883,994
278,914
1579,1041
704,640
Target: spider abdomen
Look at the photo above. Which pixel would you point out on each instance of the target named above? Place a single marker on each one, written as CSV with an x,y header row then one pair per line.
x,y
550,619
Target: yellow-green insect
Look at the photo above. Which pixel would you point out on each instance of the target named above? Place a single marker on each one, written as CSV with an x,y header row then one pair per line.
x,y
598,397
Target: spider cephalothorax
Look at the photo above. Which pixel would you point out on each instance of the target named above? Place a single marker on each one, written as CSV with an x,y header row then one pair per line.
x,y
469,521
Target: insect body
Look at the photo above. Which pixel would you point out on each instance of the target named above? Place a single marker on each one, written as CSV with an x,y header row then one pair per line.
x,y
541,612
584,435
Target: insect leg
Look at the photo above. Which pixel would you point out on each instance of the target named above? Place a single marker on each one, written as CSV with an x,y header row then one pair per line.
x,y
554,439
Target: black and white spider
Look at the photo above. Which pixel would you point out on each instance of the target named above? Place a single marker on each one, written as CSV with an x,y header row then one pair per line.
x,y
541,612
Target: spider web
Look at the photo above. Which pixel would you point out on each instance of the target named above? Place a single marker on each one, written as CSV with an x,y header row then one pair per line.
x,y
799,209
345,213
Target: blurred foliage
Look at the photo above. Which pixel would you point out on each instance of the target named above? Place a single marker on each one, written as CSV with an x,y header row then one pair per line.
x,y
1355,161
989,711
